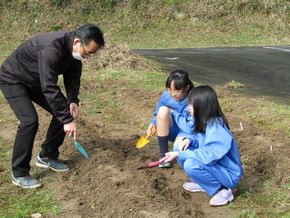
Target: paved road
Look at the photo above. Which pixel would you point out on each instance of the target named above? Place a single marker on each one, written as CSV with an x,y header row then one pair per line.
x,y
264,70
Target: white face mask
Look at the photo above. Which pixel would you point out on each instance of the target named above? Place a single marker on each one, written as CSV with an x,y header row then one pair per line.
x,y
77,55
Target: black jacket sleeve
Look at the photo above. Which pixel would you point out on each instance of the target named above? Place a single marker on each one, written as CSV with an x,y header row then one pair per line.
x,y
49,61
72,81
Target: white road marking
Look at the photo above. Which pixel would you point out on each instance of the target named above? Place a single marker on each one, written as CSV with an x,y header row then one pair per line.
x,y
173,58
280,49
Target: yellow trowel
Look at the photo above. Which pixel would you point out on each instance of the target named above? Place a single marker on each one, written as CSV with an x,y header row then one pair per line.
x,y
144,140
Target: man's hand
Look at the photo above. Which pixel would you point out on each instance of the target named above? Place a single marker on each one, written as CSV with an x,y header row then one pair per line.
x,y
74,109
71,129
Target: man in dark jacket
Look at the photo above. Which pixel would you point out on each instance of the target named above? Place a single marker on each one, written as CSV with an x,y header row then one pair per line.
x,y
30,74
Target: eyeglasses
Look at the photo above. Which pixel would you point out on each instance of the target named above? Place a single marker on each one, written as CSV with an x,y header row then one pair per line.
x,y
86,52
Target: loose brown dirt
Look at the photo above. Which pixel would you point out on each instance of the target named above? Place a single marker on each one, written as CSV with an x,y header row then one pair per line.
x,y
108,185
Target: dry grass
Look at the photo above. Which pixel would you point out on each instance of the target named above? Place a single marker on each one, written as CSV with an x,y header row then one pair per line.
x,y
160,23
118,57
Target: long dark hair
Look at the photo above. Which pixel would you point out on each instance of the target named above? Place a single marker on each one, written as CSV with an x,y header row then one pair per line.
x,y
206,107
181,80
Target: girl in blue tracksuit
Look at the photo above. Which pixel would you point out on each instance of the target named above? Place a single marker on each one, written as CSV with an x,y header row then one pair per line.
x,y
172,103
209,155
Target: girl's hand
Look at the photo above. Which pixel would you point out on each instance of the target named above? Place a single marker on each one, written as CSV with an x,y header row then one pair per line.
x,y
151,130
169,156
183,145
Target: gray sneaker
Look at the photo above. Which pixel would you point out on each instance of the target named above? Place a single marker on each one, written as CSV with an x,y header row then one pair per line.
x,y
25,182
55,165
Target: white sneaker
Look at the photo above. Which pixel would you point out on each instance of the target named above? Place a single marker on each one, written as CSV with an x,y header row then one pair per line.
x,y
192,187
222,197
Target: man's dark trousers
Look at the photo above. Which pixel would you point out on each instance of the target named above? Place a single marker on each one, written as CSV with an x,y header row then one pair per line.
x,y
20,98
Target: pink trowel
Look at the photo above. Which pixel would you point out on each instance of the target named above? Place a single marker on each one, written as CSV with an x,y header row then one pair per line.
x,y
152,164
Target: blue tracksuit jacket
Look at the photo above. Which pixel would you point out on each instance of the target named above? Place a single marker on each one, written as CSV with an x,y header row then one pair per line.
x,y
212,159
180,114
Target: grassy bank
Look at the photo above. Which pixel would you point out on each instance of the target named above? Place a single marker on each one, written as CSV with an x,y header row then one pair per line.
x,y
16,202
148,23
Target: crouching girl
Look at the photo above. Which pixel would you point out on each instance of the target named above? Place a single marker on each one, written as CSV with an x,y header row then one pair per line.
x,y
170,115
210,155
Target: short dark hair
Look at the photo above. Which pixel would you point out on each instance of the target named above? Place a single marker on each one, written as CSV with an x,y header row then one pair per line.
x,y
89,32
180,79
206,107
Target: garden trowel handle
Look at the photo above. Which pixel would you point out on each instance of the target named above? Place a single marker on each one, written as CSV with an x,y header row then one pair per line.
x,y
151,131
148,135
73,136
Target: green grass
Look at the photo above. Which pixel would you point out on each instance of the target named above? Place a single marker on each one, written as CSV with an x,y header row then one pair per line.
x,y
272,116
247,214
234,85
2,99
21,203
5,51
93,103
201,33
109,102
139,23
16,202
273,201
147,80
154,81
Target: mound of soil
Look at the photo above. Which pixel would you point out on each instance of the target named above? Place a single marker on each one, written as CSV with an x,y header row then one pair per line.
x,y
117,57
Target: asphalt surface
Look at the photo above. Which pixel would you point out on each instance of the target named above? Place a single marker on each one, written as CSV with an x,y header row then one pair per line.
x,y
265,71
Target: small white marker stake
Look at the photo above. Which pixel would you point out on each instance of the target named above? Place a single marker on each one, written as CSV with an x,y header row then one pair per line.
x,y
241,125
